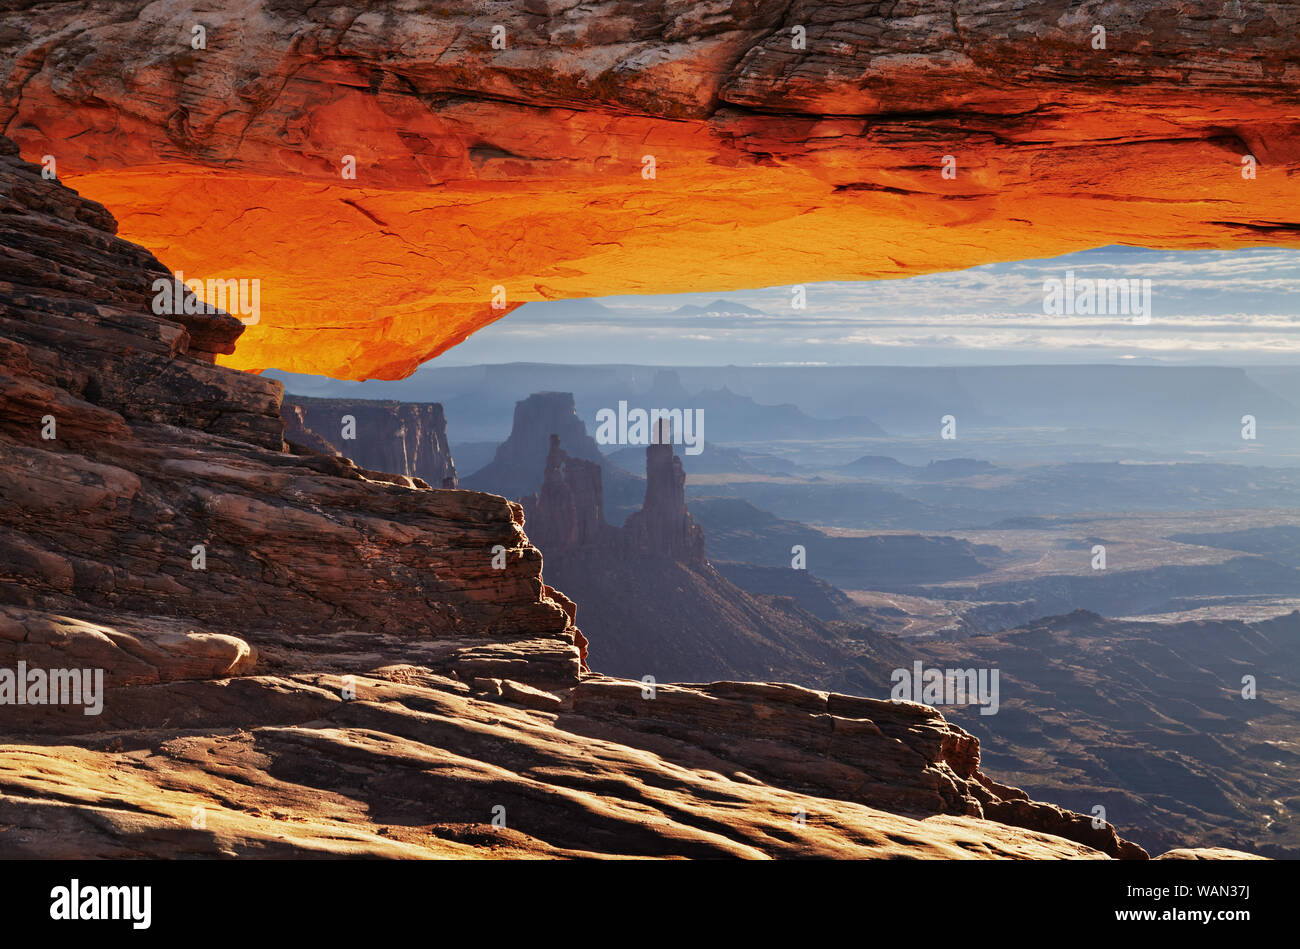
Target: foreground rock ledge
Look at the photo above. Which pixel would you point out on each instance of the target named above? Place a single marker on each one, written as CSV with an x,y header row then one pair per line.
x,y
523,168
418,765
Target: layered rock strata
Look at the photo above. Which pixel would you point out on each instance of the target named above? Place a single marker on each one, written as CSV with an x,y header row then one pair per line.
x,y
407,438
519,152
147,485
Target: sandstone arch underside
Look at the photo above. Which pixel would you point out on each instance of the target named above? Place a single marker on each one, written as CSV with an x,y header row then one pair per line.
x,y
523,167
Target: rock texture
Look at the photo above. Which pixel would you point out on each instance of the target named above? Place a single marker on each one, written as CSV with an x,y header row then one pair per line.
x,y
407,438
344,672
419,766
568,511
791,142
188,509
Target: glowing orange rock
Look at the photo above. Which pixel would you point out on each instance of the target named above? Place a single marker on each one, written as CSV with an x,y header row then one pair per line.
x,y
677,148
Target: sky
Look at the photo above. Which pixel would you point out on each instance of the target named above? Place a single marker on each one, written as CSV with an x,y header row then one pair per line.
x,y
1239,307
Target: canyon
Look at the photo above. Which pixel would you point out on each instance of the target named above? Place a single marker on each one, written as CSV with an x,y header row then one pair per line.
x,y
654,603
319,645
1145,719
440,179
306,657
397,437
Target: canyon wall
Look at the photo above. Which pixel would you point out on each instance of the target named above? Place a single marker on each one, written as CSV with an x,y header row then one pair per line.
x,y
398,176
188,509
407,438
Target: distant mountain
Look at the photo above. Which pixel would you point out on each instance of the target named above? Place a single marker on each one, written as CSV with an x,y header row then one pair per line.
x,y
956,468
575,310
730,417
667,389
733,417
1141,412
840,503
877,466
723,307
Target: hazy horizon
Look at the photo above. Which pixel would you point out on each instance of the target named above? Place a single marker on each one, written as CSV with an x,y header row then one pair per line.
x,y
1207,307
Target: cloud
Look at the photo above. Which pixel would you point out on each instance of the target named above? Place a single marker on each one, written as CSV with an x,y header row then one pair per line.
x,y
1206,304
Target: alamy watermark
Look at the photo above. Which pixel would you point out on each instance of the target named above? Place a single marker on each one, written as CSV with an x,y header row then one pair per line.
x,y
24,686
1086,296
241,298
651,427
77,902
946,687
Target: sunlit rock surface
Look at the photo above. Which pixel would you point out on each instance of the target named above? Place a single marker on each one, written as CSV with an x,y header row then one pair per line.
x,y
526,168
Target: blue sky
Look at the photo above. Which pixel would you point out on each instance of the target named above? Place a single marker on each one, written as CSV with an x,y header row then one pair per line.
x,y
1237,307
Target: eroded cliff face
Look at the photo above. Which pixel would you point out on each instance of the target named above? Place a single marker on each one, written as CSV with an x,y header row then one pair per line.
x,y
758,143
568,509
301,657
663,524
151,488
406,438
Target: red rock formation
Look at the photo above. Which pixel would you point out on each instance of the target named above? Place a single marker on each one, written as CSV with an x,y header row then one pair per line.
x,y
157,455
663,525
858,737
298,436
520,461
407,438
569,510
791,142
347,673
